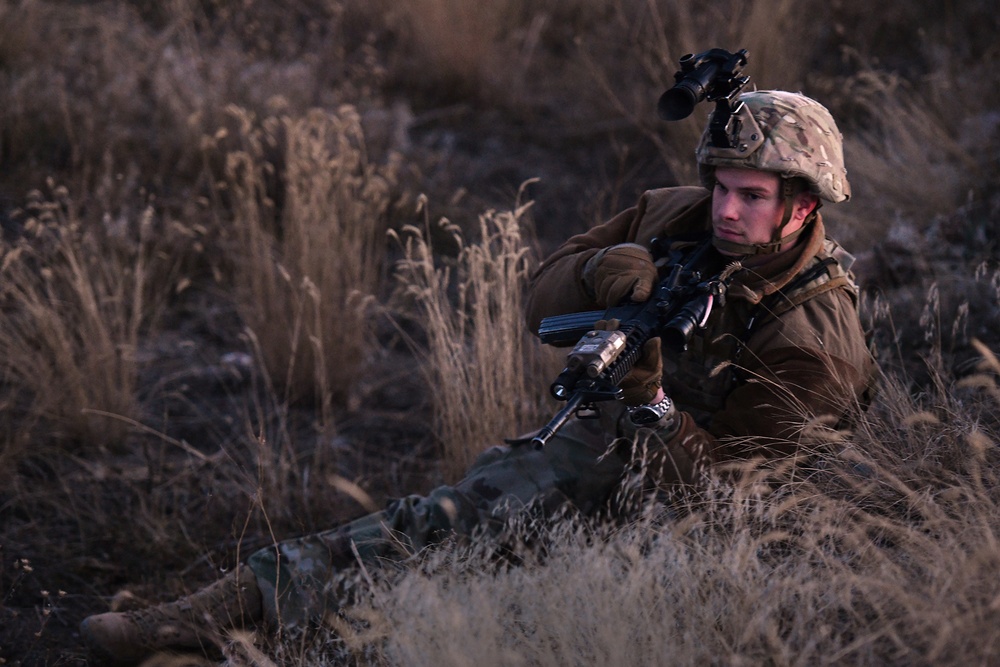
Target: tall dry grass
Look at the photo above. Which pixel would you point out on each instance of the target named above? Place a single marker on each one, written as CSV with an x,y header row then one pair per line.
x,y
304,273
118,96
79,299
480,365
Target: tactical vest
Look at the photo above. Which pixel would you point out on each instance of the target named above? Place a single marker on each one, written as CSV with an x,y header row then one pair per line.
x,y
702,377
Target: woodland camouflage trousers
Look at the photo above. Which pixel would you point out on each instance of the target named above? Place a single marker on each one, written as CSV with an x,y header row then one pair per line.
x,y
575,466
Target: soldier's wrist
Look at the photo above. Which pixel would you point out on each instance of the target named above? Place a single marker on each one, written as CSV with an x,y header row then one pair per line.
x,y
661,417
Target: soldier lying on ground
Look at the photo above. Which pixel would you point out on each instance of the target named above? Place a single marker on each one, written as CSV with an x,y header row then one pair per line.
x,y
789,333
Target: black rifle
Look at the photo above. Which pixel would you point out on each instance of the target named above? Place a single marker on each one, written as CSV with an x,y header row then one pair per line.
x,y
679,306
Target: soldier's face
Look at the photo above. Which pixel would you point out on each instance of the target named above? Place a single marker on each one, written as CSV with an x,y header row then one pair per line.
x,y
747,206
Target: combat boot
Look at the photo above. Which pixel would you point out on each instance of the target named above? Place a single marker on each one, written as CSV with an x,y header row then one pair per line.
x,y
192,622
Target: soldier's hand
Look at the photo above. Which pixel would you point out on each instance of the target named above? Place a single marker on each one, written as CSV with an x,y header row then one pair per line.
x,y
643,382
620,272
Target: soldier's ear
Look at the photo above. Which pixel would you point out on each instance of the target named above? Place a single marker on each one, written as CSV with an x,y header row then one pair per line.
x,y
804,203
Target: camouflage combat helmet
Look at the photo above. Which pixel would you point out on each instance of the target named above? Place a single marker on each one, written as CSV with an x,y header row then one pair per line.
x,y
786,133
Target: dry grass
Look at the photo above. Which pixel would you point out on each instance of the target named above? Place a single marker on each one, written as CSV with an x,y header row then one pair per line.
x,y
304,275
479,363
118,96
79,299
131,448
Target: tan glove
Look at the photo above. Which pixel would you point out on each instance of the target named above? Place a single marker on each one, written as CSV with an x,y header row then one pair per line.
x,y
619,272
639,387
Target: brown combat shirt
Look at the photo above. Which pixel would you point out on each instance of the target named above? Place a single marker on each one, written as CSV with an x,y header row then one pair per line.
x,y
809,362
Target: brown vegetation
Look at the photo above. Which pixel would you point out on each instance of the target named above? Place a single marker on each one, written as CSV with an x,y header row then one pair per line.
x,y
261,268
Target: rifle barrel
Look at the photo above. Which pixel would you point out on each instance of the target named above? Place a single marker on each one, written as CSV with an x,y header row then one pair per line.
x,y
556,423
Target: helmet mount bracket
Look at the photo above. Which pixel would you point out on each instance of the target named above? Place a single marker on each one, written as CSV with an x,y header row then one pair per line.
x,y
726,125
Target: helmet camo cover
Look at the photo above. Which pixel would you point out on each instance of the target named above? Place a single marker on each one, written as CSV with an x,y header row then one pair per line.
x,y
786,133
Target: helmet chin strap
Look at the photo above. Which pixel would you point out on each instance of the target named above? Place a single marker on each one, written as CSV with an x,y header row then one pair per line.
x,y
778,242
